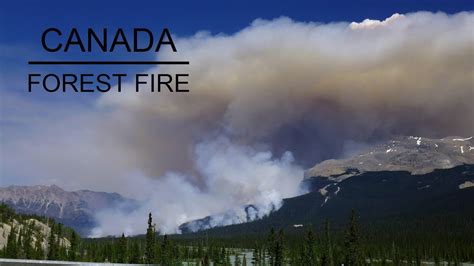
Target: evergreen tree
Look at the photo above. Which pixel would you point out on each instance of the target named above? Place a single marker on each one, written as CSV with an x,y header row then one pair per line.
x,y
222,256
150,241
52,245
73,248
256,256
135,252
309,249
353,254
244,260
279,250
199,250
237,262
60,247
39,252
165,251
395,254
122,250
327,258
227,261
12,248
27,243
205,260
418,259
19,244
271,246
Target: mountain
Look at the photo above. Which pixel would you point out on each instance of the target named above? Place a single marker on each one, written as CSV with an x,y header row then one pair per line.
x,y
383,197
416,155
75,209
405,178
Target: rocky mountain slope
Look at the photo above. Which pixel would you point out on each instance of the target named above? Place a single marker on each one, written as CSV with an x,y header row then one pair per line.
x,y
41,233
31,236
416,155
399,178
388,198
72,208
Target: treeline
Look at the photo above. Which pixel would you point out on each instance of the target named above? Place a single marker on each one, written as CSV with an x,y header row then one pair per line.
x,y
306,245
155,249
25,238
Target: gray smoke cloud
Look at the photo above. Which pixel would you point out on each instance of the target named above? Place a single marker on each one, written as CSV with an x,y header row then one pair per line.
x,y
308,87
233,176
265,103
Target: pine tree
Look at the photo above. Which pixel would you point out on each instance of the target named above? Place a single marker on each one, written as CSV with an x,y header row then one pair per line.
x,y
271,245
309,249
327,258
39,252
222,256
165,251
244,260
150,241
27,243
205,260
61,249
279,249
73,248
135,253
122,250
19,244
12,248
395,254
199,250
353,254
238,262
59,233
256,256
52,244
227,259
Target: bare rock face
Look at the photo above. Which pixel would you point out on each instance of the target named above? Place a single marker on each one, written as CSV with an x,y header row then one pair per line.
x,y
41,232
72,208
416,155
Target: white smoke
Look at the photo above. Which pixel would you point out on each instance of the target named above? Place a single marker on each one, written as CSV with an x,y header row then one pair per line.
x,y
272,88
233,176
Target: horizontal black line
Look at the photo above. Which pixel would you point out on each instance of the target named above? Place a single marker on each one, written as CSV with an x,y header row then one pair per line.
x,y
108,62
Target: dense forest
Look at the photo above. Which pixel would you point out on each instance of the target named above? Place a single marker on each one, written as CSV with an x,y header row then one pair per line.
x,y
355,244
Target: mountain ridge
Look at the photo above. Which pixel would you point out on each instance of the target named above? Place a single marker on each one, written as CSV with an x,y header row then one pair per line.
x,y
383,198
72,208
403,156
417,155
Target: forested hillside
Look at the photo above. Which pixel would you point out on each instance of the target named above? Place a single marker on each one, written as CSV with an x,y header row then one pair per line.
x,y
34,237
355,243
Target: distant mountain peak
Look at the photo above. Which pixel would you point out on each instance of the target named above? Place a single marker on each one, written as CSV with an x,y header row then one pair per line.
x,y
377,170
73,208
417,155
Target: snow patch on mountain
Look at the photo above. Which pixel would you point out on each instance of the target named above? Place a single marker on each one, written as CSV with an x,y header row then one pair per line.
x,y
416,155
466,184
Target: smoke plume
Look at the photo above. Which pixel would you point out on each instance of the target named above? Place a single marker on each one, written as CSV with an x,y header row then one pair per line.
x,y
264,103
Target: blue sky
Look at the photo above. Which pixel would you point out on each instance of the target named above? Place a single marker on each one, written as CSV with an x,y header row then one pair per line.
x,y
24,20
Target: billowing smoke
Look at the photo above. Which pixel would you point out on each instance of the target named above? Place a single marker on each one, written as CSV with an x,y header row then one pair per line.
x,y
273,91
308,87
234,176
